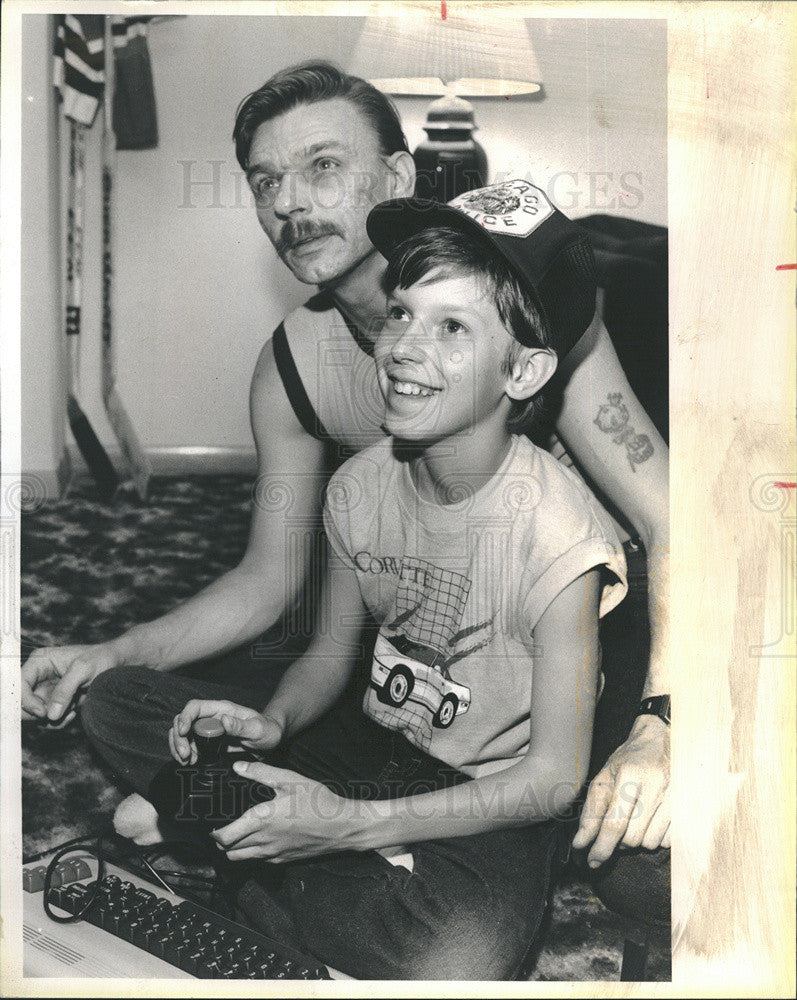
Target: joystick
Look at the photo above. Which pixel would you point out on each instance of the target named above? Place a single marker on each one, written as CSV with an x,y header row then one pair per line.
x,y
204,796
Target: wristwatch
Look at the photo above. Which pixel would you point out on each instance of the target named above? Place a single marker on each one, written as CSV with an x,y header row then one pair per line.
x,y
658,705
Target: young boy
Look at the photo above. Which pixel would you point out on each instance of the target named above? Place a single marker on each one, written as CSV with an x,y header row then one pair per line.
x,y
420,844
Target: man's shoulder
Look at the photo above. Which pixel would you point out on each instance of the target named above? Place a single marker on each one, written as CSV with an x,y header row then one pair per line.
x,y
318,309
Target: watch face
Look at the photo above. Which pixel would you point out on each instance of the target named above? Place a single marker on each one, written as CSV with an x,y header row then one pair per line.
x,y
660,705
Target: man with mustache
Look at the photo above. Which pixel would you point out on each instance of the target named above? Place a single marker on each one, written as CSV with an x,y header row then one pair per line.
x,y
320,149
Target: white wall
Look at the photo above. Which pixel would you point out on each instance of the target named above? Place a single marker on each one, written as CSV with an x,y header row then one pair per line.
x,y
43,375
197,288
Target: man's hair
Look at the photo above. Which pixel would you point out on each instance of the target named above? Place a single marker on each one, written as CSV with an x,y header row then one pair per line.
x,y
308,83
451,253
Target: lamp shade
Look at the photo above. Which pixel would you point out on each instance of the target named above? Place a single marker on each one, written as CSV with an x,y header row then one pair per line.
x,y
480,54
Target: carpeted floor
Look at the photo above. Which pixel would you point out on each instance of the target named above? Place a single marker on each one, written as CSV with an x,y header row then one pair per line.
x,y
91,570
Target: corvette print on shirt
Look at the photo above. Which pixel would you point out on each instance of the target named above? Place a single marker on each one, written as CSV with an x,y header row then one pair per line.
x,y
399,671
411,685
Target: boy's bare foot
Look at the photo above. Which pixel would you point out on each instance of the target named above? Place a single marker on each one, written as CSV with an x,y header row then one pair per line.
x,y
136,819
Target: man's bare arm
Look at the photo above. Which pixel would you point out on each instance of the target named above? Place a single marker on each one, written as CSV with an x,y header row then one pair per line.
x,y
614,442
240,604
309,687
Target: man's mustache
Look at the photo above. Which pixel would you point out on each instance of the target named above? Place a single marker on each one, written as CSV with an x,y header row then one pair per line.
x,y
293,233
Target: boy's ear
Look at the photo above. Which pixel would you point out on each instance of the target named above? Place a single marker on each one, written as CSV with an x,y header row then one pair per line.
x,y
402,167
530,372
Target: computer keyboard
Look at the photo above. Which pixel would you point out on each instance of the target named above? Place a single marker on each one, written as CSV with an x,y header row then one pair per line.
x,y
185,935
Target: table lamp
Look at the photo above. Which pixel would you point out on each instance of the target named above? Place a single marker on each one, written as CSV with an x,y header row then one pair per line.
x,y
453,53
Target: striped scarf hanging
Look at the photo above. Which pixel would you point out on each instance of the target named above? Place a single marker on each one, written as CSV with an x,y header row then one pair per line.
x,y
134,120
79,72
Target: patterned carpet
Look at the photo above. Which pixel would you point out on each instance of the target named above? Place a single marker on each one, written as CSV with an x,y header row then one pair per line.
x,y
91,570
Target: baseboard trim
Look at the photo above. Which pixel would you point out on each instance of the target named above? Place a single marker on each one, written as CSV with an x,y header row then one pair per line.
x,y
183,460
39,485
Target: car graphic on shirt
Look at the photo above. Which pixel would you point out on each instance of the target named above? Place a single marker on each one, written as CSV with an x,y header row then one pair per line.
x,y
404,671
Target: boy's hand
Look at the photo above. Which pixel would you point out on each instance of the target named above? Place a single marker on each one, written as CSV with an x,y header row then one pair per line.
x,y
54,679
628,803
245,725
303,820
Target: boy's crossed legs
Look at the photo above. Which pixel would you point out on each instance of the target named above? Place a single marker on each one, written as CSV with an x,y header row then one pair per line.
x,y
469,908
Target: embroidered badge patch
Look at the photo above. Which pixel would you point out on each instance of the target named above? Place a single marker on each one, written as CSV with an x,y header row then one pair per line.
x,y
514,208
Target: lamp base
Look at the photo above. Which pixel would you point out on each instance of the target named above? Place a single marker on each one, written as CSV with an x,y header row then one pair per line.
x,y
450,161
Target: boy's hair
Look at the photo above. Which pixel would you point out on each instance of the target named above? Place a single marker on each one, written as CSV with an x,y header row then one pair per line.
x,y
452,253
308,83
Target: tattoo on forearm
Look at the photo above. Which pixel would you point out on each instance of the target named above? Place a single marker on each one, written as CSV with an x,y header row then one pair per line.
x,y
613,419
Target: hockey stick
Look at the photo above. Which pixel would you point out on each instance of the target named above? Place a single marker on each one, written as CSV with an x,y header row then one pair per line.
x,y
92,451
136,459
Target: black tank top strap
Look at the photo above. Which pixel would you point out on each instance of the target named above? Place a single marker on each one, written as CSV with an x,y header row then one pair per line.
x,y
294,388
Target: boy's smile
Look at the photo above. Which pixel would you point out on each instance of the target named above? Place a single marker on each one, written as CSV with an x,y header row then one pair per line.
x,y
439,358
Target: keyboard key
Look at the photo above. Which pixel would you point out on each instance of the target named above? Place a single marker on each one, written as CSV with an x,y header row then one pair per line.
x,y
111,921
68,871
33,879
160,945
82,870
94,915
263,970
174,950
57,897
128,930
138,932
208,969
190,963
77,895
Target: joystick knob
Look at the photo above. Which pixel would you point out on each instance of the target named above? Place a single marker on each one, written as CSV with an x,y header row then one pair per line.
x,y
201,797
209,738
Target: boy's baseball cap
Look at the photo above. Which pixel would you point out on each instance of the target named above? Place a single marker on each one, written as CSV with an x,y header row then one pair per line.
x,y
550,255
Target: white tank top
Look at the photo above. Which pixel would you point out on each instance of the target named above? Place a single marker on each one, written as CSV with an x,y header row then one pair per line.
x,y
333,386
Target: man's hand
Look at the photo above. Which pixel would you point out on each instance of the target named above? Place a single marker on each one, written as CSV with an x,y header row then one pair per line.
x,y
54,679
248,727
303,820
628,802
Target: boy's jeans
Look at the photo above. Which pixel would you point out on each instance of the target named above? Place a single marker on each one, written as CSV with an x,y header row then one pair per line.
x,y
469,908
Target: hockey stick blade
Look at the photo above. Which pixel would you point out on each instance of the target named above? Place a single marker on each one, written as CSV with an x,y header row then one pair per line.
x,y
134,455
92,451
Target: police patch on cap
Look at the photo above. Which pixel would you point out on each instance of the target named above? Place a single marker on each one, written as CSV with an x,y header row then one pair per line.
x,y
514,208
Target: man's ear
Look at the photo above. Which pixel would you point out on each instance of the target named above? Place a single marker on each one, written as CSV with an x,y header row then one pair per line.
x,y
530,372
402,180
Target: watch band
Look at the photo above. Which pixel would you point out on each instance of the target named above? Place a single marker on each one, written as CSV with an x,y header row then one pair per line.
x,y
658,705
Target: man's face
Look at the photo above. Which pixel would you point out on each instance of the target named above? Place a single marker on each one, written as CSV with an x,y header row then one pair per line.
x,y
316,172
439,358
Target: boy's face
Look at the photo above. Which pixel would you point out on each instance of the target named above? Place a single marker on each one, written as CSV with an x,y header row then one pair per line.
x,y
439,358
